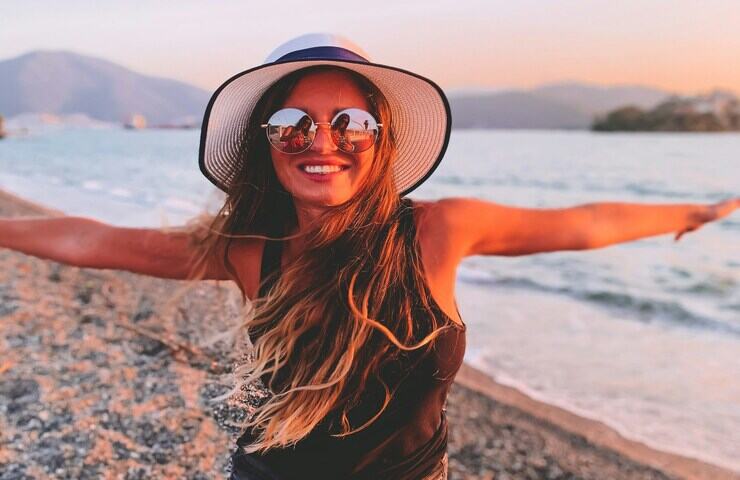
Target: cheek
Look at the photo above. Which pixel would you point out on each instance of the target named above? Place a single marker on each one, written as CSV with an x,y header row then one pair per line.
x,y
365,164
280,165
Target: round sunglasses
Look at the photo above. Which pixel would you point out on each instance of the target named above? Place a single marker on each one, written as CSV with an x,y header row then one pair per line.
x,y
291,130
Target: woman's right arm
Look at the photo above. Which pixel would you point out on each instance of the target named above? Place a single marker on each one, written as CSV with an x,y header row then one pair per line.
x,y
84,242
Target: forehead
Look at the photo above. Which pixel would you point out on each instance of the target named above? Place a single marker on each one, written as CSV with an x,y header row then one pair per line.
x,y
321,92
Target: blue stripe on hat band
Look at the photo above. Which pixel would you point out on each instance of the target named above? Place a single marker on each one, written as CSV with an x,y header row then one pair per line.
x,y
324,53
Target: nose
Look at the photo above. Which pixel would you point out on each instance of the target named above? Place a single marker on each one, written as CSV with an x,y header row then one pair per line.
x,y
322,142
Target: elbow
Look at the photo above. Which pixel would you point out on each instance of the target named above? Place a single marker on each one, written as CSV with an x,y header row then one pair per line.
x,y
78,252
587,231
86,247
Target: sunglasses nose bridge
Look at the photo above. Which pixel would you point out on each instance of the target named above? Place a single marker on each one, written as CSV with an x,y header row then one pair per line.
x,y
322,141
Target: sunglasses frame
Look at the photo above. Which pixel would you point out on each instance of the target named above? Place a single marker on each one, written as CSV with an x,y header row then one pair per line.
x,y
267,125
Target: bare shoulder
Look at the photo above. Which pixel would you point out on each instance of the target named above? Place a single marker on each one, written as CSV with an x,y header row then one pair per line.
x,y
438,225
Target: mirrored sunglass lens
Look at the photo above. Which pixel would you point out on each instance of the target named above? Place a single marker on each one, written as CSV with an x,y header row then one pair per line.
x,y
354,130
290,130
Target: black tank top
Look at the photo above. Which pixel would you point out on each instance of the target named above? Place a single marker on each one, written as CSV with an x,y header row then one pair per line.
x,y
407,441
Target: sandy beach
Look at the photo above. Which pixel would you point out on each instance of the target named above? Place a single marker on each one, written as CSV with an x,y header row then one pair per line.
x,y
101,377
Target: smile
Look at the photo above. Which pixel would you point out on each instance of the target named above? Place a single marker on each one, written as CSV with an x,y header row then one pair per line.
x,y
323,169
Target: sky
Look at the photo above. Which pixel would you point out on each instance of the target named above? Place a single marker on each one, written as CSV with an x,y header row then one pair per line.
x,y
680,45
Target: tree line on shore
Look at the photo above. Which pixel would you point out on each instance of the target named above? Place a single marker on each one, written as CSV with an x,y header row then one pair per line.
x,y
716,112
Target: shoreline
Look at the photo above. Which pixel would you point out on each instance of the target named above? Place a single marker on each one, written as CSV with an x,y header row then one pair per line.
x,y
594,431
529,416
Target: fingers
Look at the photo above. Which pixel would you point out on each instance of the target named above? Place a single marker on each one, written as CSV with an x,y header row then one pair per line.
x,y
710,213
680,234
727,207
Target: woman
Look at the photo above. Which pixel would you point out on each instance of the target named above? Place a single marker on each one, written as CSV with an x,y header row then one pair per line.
x,y
354,323
339,132
296,137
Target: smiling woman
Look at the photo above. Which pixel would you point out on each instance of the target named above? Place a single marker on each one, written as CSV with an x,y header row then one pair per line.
x,y
359,369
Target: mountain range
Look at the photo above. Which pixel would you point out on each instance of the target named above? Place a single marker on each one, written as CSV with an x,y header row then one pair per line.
x,y
569,105
64,83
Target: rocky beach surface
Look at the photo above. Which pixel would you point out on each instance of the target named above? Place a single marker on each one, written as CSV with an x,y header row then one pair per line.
x,y
104,374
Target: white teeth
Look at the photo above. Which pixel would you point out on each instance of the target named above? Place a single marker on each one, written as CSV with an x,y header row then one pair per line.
x,y
321,168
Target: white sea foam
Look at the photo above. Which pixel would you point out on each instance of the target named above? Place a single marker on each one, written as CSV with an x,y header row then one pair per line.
x,y
92,185
120,192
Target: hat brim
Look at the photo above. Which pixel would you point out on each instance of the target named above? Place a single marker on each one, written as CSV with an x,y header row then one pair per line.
x,y
419,109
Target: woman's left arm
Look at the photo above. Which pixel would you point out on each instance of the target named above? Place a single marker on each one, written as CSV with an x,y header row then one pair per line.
x,y
476,227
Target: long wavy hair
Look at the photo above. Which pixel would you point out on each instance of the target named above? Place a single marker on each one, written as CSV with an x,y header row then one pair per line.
x,y
349,304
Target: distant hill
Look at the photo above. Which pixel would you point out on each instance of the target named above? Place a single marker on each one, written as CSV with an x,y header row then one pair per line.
x,y
596,100
714,112
64,83
514,110
564,105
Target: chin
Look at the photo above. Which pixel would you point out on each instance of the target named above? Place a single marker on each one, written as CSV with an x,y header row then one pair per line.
x,y
325,199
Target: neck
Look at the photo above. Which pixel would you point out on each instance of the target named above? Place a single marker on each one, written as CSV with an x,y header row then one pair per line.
x,y
306,214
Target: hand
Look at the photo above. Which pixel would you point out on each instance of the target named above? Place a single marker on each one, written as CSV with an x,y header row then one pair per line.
x,y
709,213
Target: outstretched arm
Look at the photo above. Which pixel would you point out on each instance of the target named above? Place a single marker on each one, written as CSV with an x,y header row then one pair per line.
x,y
88,243
477,227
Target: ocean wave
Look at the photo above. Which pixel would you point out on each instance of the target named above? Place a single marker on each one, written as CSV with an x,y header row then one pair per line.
x,y
459,180
731,306
729,224
717,287
510,181
650,191
644,309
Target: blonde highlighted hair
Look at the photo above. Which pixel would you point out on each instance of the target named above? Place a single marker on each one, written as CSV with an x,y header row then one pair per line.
x,y
344,308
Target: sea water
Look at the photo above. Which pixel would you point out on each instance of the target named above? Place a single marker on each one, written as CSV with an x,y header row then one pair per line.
x,y
644,336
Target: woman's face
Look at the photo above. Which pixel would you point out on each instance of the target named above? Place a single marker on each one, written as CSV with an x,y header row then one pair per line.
x,y
322,95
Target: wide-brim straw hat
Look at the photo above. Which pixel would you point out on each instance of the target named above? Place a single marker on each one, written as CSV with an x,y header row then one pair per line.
x,y
420,112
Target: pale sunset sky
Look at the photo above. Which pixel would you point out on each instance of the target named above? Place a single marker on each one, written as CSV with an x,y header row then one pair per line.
x,y
680,45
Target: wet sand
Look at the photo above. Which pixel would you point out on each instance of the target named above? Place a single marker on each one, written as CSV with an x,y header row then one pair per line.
x,y
101,378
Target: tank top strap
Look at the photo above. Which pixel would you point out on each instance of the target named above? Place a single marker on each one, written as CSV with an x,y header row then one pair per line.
x,y
270,266
408,226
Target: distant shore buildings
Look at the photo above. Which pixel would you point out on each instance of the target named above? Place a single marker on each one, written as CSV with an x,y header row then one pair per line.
x,y
135,122
24,123
717,111
139,122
